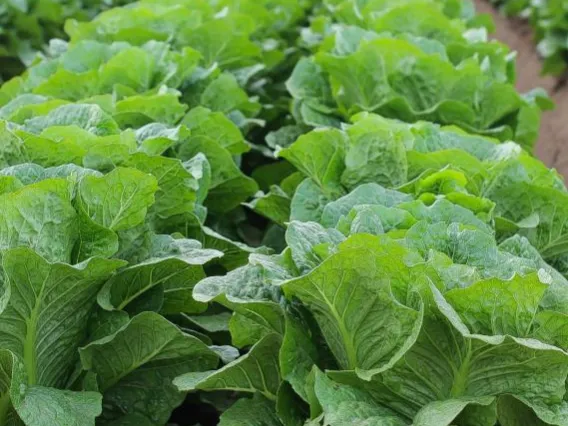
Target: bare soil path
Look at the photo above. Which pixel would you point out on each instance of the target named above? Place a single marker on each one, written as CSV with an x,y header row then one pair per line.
x,y
552,146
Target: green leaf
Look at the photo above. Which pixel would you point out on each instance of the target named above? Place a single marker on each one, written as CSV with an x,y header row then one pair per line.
x,y
302,349
375,220
220,44
516,201
235,254
39,406
136,365
246,330
426,21
93,239
64,84
467,246
104,323
303,238
471,360
40,216
257,411
290,408
374,155
11,151
176,186
156,138
308,202
367,86
307,82
513,412
514,304
251,291
257,371
118,200
8,364
320,156
368,193
455,410
174,271
225,95
204,123
275,205
46,304
213,323
88,117
352,288
136,111
229,186
343,404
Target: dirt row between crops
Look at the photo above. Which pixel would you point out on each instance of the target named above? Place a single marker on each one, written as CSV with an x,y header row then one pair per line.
x,y
552,146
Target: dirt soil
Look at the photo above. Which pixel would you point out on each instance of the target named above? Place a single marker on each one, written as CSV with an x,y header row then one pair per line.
x,y
552,146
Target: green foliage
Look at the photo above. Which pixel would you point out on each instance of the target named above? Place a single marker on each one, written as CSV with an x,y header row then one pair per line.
x,y
282,213
548,21
26,26
411,60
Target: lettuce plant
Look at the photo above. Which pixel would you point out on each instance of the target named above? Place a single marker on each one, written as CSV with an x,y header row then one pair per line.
x,y
279,213
409,60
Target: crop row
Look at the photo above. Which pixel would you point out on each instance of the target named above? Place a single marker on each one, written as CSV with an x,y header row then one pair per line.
x,y
279,213
549,21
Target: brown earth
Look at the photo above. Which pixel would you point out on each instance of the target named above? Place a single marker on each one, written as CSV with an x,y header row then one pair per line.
x,y
552,146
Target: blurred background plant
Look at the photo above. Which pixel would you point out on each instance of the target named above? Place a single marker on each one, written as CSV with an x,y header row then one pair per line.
x,y
26,26
549,21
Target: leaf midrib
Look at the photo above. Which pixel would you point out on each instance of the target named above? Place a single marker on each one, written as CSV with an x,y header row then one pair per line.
x,y
30,358
348,342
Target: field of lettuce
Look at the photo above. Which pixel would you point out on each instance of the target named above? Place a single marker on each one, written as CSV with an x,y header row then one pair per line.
x,y
275,213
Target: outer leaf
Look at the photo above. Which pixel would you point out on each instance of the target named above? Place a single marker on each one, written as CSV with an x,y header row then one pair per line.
x,y
304,237
88,117
275,205
290,408
308,202
342,404
229,186
175,272
41,406
320,156
258,411
135,366
219,43
257,371
513,412
447,412
369,193
40,216
251,291
514,305
302,349
203,122
118,200
8,415
46,311
375,156
177,187
353,288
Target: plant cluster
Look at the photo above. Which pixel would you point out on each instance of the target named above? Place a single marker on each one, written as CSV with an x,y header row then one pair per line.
x,y
549,20
26,26
279,213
